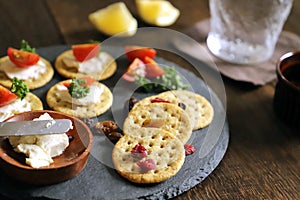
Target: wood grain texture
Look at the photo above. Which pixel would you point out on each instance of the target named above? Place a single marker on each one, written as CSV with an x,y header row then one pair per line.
x,y
262,161
29,20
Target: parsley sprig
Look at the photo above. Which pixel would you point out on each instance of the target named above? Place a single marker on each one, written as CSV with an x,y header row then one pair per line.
x,y
19,88
169,81
76,89
26,47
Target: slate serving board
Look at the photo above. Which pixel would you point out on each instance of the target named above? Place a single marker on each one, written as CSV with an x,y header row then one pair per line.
x,y
99,180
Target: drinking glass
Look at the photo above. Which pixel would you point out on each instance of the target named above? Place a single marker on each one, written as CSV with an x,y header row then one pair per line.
x,y
246,31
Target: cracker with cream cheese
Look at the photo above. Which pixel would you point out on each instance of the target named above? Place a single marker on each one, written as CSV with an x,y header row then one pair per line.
x,y
163,148
30,102
38,79
100,67
98,101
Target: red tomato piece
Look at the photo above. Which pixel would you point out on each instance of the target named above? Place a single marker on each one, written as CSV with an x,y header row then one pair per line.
x,y
133,52
22,58
66,84
136,68
152,68
83,52
88,81
6,96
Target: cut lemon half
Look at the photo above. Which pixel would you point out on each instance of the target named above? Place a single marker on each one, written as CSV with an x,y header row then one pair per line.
x,y
114,19
157,12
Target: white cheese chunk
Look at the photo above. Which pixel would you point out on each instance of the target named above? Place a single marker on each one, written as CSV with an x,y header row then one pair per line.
x,y
37,157
40,149
32,72
53,145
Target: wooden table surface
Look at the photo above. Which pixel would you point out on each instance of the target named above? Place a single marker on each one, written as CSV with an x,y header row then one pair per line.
x,y
262,160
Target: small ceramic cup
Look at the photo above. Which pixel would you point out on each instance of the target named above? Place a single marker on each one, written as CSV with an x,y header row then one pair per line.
x,y
287,92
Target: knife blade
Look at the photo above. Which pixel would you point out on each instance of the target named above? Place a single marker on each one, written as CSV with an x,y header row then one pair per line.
x,y
37,127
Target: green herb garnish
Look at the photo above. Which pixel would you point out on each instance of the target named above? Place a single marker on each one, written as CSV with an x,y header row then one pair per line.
x,y
93,41
76,89
26,47
169,81
19,88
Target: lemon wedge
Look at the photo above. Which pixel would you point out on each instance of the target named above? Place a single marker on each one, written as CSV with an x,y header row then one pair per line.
x,y
114,19
157,12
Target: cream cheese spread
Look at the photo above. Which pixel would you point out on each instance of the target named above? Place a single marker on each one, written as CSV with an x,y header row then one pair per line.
x,y
40,149
94,66
32,72
93,97
15,107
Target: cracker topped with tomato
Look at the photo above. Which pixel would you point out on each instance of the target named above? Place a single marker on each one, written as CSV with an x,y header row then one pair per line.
x,y
17,99
86,59
81,97
26,65
145,71
142,63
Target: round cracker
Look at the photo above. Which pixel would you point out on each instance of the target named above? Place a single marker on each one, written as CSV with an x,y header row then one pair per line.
x,y
166,116
166,150
198,107
42,80
92,110
68,72
35,102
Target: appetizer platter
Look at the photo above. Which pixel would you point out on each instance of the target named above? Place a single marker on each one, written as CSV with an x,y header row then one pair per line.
x,y
123,158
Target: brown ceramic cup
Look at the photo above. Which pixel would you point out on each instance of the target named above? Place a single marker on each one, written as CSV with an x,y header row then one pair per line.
x,y
287,91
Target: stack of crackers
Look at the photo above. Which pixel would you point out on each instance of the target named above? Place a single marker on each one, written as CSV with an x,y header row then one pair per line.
x,y
160,126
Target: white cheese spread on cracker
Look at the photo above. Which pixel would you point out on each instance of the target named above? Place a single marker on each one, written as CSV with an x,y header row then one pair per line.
x,y
32,72
15,107
94,66
93,97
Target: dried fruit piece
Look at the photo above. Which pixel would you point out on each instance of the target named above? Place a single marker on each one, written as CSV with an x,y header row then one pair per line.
x,y
110,129
131,102
139,151
106,127
114,136
159,100
182,105
154,123
189,149
147,165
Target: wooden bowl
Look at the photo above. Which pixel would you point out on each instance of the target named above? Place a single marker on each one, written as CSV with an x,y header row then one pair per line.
x,y
65,166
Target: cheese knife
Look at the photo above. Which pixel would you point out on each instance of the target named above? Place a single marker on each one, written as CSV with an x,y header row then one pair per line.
x,y
37,127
